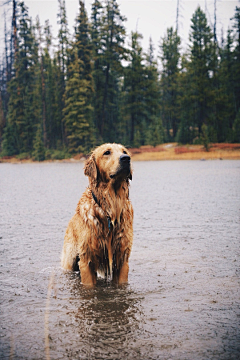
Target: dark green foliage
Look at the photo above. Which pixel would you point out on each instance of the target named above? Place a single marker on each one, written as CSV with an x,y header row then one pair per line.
x,y
236,54
60,63
108,35
9,146
225,97
65,99
38,146
23,156
51,154
98,75
134,90
20,117
186,133
80,134
236,128
79,90
83,45
170,56
200,91
154,134
204,137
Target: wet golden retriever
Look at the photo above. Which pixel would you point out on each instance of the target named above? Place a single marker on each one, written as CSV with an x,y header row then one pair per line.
x,y
99,236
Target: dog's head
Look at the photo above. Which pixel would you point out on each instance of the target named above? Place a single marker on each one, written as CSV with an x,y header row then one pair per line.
x,y
109,162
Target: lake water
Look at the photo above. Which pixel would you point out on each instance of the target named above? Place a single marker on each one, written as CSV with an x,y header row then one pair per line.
x,y
183,296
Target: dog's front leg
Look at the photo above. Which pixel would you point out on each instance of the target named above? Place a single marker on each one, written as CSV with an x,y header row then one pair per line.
x,y
87,272
123,273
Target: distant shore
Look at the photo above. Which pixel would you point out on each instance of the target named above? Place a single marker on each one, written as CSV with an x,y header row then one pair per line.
x,y
170,151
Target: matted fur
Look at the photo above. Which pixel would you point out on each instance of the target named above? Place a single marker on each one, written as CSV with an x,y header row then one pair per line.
x,y
99,236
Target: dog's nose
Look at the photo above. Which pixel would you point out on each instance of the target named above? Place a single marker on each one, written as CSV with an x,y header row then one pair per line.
x,y
125,159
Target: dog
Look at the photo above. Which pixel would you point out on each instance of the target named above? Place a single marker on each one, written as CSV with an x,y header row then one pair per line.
x,y
99,236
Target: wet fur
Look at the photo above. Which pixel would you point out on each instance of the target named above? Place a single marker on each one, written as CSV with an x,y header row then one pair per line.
x,y
89,244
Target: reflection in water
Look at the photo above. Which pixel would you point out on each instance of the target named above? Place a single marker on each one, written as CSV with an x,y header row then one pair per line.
x,y
103,321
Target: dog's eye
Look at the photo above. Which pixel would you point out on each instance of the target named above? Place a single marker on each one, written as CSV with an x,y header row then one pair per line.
x,y
124,152
108,152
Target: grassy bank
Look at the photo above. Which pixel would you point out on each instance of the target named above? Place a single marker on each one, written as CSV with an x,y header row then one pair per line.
x,y
169,151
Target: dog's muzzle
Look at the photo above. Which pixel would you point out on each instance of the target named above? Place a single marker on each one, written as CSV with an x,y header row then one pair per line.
x,y
124,165
124,169
125,160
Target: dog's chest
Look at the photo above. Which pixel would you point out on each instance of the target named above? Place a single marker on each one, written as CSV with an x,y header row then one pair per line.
x,y
108,236
107,250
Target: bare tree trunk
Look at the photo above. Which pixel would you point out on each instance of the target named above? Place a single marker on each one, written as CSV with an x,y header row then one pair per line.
x,y
109,49
177,17
104,100
6,50
14,30
215,22
43,105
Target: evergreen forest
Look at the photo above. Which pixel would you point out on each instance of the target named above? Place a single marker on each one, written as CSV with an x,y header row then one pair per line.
x,y
63,97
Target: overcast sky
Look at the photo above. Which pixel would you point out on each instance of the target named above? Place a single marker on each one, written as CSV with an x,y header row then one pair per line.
x,y
150,17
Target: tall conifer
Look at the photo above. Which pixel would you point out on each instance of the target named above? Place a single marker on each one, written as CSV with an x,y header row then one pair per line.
x,y
154,127
79,89
80,134
134,89
113,52
170,56
20,119
236,65
198,94
61,60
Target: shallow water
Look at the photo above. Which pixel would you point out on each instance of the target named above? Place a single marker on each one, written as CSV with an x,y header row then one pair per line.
x,y
183,296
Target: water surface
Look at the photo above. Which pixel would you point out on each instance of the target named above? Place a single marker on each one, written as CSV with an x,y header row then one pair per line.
x,y
183,296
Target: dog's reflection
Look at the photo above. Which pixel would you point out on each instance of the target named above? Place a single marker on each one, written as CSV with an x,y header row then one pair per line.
x,y
107,318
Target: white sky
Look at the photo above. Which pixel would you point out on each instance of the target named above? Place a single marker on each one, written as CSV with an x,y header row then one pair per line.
x,y
150,17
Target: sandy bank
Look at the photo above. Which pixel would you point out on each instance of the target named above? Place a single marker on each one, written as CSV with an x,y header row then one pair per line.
x,y
193,152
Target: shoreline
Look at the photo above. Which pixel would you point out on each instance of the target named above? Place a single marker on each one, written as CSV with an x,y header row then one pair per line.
x,y
170,151
193,152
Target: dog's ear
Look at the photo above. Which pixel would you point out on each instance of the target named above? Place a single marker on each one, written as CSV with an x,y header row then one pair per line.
x,y
90,168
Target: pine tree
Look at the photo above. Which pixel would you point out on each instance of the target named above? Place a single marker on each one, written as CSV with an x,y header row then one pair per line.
x,y
52,92
43,92
153,121
38,146
98,59
170,56
79,89
201,66
236,128
236,53
5,76
225,96
236,75
110,70
134,90
198,93
14,45
2,118
58,127
60,65
80,134
63,37
83,44
20,119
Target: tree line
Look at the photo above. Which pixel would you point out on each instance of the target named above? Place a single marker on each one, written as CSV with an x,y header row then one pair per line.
x,y
95,86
